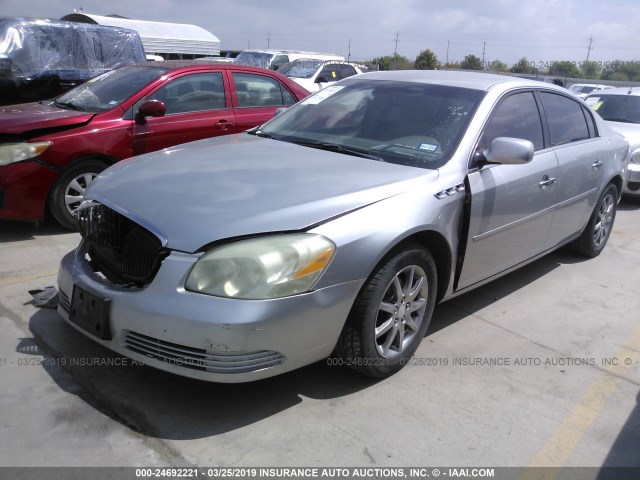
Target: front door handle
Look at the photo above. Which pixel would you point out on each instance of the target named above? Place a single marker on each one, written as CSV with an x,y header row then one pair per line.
x,y
597,164
546,182
224,125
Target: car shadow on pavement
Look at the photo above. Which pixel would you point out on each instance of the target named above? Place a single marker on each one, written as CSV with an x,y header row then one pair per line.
x,y
13,231
458,308
629,204
624,451
163,405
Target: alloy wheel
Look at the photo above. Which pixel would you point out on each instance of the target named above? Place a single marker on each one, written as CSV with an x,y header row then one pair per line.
x,y
401,311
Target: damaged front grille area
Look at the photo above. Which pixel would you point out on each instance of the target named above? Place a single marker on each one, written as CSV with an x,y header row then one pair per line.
x,y
118,248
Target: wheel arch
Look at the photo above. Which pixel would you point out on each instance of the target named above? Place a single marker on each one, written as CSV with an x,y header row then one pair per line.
x,y
440,250
618,182
50,207
91,156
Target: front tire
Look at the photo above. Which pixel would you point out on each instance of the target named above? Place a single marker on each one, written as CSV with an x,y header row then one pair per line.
x,y
68,191
597,232
391,314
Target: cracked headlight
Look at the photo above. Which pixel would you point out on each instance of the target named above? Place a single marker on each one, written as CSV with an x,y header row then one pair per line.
x,y
262,268
17,152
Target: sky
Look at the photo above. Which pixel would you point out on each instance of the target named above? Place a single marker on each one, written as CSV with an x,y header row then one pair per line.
x,y
543,31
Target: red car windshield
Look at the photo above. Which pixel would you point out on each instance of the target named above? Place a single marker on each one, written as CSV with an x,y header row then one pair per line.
x,y
110,89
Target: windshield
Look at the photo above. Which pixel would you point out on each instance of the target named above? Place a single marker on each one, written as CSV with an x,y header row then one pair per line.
x,y
582,88
254,59
302,68
616,108
104,92
406,123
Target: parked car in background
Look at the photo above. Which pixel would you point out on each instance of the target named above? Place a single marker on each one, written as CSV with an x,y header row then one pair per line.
x,y
337,226
40,59
620,108
274,59
51,151
584,89
314,75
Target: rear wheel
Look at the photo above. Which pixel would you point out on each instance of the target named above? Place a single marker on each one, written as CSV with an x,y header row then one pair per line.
x,y
391,315
596,233
68,191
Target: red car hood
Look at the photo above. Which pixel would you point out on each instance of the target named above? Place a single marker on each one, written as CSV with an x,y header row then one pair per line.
x,y
19,119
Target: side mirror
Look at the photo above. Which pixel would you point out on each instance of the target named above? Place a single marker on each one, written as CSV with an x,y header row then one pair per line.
x,y
150,108
322,79
509,151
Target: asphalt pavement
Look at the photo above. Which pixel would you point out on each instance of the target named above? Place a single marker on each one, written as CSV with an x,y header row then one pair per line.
x,y
539,368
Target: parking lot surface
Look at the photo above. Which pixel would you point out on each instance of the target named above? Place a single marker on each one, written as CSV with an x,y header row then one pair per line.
x,y
539,368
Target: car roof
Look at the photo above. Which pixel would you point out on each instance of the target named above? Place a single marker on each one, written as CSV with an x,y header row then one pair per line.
x,y
616,91
473,80
322,62
179,66
275,52
588,85
175,65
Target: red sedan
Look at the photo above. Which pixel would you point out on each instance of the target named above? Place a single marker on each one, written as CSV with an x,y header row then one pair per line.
x,y
52,150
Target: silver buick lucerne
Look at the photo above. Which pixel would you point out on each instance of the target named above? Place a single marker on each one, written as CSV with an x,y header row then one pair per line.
x,y
336,227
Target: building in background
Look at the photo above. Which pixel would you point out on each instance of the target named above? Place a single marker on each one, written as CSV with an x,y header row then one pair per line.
x,y
171,41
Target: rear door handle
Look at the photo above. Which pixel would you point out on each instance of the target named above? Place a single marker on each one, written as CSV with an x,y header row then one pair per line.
x,y
597,163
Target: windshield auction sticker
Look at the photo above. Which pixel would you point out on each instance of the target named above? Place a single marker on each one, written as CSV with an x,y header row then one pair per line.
x,y
593,102
322,95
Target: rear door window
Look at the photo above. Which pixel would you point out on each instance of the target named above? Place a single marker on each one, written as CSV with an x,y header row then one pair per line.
x,y
565,119
254,90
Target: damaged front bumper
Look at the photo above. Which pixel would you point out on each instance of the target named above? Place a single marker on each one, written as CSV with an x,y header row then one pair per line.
x,y
200,336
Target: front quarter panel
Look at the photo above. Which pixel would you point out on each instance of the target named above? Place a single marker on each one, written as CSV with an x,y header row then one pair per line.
x,y
364,237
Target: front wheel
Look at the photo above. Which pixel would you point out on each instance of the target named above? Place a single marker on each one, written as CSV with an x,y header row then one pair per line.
x,y
391,314
596,233
68,191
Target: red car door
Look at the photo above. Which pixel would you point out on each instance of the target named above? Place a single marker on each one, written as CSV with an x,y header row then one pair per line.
x,y
197,106
256,97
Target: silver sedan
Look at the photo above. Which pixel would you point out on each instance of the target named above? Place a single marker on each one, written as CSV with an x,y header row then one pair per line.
x,y
335,228
620,108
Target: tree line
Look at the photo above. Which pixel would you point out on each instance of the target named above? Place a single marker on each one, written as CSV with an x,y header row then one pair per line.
x,y
621,70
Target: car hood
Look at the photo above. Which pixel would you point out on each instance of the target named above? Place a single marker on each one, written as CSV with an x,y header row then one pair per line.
x,y
22,118
630,131
205,191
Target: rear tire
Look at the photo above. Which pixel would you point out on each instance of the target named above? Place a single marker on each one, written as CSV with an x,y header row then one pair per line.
x,y
68,191
597,232
391,314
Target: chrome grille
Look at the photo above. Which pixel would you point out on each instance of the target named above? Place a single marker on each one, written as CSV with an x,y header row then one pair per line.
x,y
101,225
123,251
139,253
198,358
